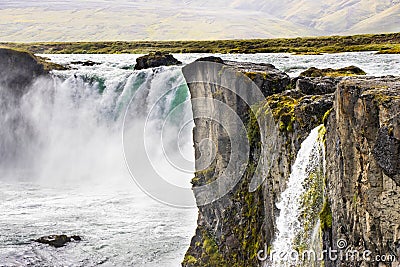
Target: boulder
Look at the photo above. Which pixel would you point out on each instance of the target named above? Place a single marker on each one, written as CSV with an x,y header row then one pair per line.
x,y
211,59
315,85
18,68
87,63
154,60
347,71
57,241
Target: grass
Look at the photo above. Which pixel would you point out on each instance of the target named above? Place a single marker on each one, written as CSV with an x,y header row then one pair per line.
x,y
383,43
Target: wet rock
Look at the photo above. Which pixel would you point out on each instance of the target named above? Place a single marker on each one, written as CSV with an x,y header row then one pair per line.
x,y
310,110
362,166
57,240
387,152
87,63
18,69
266,76
316,86
154,60
346,71
211,59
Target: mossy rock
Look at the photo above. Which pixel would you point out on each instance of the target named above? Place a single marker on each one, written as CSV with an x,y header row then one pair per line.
x,y
154,60
282,108
325,216
211,59
346,71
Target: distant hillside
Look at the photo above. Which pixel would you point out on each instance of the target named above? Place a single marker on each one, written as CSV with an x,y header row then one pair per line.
x,y
382,43
125,20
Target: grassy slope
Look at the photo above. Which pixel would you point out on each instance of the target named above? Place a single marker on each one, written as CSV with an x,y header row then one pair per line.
x,y
384,43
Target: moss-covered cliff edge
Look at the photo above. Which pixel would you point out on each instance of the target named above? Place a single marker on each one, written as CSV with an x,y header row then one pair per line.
x,y
232,229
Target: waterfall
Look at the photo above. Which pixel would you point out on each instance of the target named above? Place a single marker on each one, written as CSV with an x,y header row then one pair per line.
x,y
67,128
288,222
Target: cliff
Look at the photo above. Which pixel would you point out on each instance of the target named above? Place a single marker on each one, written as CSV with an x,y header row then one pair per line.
x,y
242,220
18,71
363,167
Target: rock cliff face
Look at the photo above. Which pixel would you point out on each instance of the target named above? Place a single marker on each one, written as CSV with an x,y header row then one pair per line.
x,y
18,70
234,228
362,144
360,191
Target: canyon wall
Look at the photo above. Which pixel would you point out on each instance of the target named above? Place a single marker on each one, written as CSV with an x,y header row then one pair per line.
x,y
363,168
356,197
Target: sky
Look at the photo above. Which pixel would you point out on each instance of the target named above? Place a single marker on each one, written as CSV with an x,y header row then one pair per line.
x,y
125,20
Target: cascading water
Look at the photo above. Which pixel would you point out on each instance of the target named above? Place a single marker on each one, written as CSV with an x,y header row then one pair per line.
x,y
288,223
68,174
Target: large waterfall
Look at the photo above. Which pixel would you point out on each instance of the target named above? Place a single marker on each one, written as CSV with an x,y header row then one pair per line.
x,y
70,126
288,223
63,168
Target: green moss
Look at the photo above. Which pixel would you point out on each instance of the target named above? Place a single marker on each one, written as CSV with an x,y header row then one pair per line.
x,y
384,43
326,115
254,75
253,129
325,216
211,250
347,71
381,99
282,108
322,135
311,202
189,259
204,177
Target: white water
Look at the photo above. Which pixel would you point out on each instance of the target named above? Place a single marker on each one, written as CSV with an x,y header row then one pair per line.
x,y
74,179
70,177
287,223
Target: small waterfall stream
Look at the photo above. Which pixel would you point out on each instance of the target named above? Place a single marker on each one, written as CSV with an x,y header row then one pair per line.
x,y
288,223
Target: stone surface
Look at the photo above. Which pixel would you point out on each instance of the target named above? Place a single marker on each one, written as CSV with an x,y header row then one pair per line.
x,y
58,241
156,59
387,151
18,72
242,222
346,71
316,85
362,164
18,69
211,59
360,188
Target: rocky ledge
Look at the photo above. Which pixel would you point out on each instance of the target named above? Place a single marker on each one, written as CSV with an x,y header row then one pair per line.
x,y
154,60
19,68
346,71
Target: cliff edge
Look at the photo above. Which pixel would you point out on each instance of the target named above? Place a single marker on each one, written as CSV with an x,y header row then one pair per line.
x,y
354,199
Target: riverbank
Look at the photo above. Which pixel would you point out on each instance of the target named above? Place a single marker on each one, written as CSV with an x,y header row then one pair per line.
x,y
383,43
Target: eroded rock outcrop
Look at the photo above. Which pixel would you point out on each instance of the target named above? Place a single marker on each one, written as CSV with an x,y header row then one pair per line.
x,y
154,60
346,71
358,195
232,229
18,69
362,144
